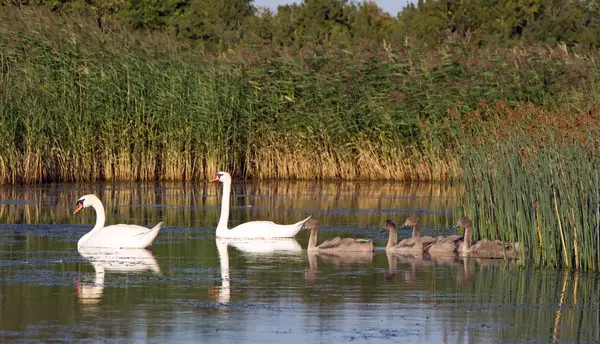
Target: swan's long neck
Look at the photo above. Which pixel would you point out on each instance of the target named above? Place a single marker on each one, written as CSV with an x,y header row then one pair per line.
x,y
466,244
100,215
100,219
222,226
393,239
468,236
312,240
416,231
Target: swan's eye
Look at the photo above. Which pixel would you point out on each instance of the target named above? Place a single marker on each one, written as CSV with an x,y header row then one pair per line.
x,y
80,201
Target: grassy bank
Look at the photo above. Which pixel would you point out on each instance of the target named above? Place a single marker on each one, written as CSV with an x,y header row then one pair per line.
x,y
78,104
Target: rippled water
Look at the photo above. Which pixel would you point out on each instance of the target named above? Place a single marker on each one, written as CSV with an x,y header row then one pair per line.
x,y
193,288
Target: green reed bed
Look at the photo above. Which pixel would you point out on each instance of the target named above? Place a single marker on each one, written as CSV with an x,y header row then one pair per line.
x,y
79,104
531,176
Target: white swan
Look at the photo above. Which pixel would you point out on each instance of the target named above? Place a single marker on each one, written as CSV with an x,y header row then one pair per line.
x,y
253,229
115,236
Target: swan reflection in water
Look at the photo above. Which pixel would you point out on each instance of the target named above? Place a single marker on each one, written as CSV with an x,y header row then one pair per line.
x,y
419,261
335,258
110,260
392,270
253,249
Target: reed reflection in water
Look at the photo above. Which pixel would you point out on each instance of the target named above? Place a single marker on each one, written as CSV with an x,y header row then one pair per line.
x,y
188,205
193,288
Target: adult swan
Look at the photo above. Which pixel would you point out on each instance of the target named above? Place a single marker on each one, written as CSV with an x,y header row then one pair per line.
x,y
253,229
115,236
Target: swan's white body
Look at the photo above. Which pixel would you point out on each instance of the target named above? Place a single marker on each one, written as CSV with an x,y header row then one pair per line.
x,y
253,229
115,236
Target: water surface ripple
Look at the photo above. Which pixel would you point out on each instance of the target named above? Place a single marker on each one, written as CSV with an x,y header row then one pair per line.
x,y
191,287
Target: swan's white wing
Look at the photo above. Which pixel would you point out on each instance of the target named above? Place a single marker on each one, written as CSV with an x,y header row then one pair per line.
x,y
263,229
131,230
253,225
276,245
121,235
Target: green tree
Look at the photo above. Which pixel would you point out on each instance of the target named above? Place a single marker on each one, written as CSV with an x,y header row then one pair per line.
x,y
315,21
369,22
558,21
152,14
217,22
260,27
427,23
284,30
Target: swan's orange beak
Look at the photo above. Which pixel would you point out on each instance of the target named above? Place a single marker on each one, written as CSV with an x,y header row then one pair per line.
x,y
79,207
215,179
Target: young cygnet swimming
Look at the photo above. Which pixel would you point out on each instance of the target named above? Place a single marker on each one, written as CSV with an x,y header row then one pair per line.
x,y
484,248
444,245
336,244
414,243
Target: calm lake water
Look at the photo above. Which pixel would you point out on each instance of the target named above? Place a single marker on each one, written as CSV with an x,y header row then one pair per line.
x,y
192,288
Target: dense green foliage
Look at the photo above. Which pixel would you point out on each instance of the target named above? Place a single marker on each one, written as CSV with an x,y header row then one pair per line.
x,y
222,24
82,104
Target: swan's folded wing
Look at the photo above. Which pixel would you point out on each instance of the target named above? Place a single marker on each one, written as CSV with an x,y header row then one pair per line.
x,y
328,244
115,235
427,240
428,246
355,241
347,244
128,231
363,245
407,243
441,247
454,238
488,248
253,225
365,241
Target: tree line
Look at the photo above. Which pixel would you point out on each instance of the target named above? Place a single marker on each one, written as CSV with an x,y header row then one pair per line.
x,y
218,25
